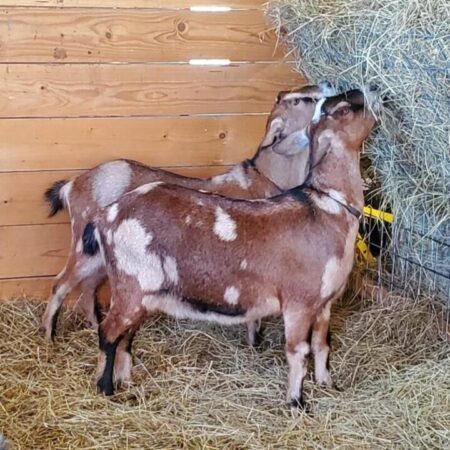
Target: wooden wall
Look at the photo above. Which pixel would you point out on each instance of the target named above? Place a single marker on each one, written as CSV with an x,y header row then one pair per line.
x,y
84,81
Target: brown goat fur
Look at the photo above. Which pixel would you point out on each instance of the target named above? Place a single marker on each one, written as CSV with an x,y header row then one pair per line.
x,y
281,162
197,255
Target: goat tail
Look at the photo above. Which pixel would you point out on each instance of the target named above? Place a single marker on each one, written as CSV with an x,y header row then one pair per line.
x,y
53,197
90,243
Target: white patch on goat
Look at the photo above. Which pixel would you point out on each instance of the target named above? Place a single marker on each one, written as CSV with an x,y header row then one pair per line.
x,y
79,247
243,264
339,196
236,175
122,367
109,237
188,219
327,204
231,295
170,268
133,258
65,192
337,270
113,210
85,213
111,181
179,309
224,226
330,274
146,188
297,369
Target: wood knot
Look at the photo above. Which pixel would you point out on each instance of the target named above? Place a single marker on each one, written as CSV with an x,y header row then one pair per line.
x,y
108,35
181,27
59,53
222,135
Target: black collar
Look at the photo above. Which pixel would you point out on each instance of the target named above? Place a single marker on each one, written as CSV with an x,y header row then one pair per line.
x,y
351,209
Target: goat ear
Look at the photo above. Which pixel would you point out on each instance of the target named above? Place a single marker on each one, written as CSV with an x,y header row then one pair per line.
x,y
273,130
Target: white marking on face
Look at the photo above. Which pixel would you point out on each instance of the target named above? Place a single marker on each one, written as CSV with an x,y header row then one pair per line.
x,y
292,96
243,264
318,110
145,188
170,267
339,196
188,219
224,226
109,237
110,182
236,175
79,247
130,249
113,210
231,295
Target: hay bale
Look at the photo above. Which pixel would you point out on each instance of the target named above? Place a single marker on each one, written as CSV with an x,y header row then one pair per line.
x,y
403,47
201,386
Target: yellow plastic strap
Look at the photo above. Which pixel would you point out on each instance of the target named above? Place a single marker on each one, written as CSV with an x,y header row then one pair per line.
x,y
377,214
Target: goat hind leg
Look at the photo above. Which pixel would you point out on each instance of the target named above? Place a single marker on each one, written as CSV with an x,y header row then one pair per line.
x,y
297,324
321,347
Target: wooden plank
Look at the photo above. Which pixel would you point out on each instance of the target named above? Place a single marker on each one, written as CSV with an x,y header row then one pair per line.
x,y
21,193
89,35
72,90
33,250
35,287
54,144
164,4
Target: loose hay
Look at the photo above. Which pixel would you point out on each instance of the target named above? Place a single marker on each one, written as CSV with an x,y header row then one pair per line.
x,y
200,386
402,46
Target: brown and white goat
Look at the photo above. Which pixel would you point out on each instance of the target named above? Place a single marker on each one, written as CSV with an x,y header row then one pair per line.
x,y
280,163
203,256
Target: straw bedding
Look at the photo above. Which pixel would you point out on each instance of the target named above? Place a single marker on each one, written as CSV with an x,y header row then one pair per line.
x,y
199,386
402,46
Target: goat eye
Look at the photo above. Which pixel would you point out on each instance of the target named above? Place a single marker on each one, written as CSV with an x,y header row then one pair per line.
x,y
297,101
345,111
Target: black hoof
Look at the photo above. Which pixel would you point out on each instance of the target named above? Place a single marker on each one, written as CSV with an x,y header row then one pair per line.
x,y
104,387
258,338
298,403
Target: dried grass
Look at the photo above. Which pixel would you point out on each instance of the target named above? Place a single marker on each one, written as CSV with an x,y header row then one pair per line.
x,y
200,386
402,46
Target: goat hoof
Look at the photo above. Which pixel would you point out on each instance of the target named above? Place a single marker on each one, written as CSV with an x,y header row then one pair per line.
x,y
104,387
298,403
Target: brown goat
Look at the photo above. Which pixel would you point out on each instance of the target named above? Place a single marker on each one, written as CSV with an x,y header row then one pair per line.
x,y
280,163
197,255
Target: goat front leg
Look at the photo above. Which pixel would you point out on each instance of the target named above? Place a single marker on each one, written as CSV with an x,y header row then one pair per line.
x,y
321,347
297,326
254,333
